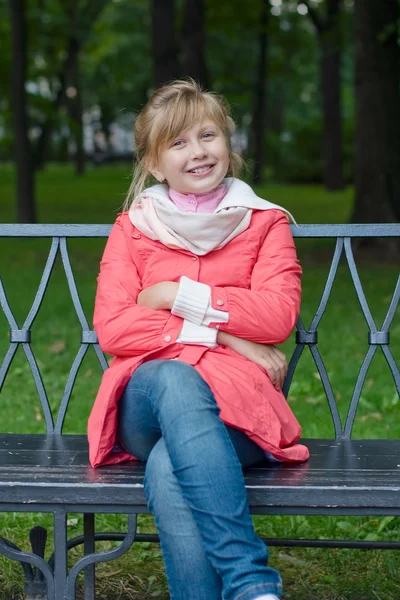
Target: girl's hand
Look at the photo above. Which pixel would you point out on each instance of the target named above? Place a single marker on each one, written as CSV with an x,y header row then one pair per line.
x,y
160,296
267,356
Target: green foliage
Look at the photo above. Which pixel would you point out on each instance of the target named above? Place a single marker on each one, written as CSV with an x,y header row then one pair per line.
x,y
116,73
117,60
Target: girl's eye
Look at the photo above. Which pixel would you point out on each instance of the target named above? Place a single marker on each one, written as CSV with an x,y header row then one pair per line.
x,y
208,134
177,143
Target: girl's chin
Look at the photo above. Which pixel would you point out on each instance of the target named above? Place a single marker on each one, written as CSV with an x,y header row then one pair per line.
x,y
201,186
200,189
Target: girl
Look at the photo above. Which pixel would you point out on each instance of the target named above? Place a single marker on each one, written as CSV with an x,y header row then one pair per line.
x,y
198,281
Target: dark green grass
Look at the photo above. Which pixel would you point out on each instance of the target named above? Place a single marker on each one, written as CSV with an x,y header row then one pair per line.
x,y
99,195
308,574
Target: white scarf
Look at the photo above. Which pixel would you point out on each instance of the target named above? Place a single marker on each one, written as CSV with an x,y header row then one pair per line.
x,y
155,215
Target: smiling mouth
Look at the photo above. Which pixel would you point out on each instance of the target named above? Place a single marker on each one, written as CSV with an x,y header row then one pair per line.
x,y
201,170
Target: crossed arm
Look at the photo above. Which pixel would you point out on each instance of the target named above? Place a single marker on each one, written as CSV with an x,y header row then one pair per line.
x,y
161,296
130,320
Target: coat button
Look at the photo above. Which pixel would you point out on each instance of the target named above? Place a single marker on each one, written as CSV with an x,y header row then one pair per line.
x,y
167,338
137,236
220,302
194,257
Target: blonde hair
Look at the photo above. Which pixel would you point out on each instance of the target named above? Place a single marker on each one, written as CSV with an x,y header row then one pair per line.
x,y
171,109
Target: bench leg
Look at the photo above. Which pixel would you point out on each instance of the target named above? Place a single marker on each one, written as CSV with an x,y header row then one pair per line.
x,y
89,548
45,586
60,553
90,559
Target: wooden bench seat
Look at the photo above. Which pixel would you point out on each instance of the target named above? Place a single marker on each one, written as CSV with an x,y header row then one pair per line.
x,y
341,477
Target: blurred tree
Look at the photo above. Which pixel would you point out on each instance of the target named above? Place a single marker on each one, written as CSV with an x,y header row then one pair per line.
x,y
164,46
6,125
52,58
193,42
117,63
292,129
328,28
258,123
294,113
116,74
79,17
377,85
72,81
76,18
231,51
23,157
237,60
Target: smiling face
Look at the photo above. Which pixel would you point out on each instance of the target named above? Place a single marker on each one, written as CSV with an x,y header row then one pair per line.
x,y
196,161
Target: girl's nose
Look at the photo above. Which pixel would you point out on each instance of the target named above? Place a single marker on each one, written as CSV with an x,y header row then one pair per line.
x,y
198,151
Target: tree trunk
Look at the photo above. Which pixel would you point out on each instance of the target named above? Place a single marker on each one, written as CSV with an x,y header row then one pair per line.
x,y
47,128
82,22
75,106
259,114
332,115
377,151
106,119
23,156
193,42
329,34
276,109
165,55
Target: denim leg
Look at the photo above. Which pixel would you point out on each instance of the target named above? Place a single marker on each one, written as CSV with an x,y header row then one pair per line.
x,y
189,573
194,485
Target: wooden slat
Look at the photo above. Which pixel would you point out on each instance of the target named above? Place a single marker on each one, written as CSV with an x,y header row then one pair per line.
x,y
55,469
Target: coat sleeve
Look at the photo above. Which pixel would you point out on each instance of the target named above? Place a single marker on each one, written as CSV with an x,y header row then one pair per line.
x,y
267,312
123,327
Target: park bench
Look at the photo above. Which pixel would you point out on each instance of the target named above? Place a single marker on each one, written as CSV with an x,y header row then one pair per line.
x,y
50,473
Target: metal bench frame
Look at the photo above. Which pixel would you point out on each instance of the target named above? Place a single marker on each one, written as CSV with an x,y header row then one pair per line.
x,y
343,476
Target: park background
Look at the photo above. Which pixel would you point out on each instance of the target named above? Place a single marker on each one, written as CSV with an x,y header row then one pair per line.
x,y
314,89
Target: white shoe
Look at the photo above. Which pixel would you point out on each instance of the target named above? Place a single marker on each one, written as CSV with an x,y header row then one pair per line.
x,y
267,597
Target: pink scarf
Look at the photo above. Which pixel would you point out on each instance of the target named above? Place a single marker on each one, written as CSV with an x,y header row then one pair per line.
x,y
158,218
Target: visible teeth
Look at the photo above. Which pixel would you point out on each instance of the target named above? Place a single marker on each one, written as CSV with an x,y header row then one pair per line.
x,y
201,170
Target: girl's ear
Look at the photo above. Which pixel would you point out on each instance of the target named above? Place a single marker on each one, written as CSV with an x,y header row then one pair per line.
x,y
156,173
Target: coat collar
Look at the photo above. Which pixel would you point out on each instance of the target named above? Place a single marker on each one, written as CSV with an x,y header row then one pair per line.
x,y
239,194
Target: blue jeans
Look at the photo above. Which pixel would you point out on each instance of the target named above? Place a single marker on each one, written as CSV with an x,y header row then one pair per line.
x,y
194,484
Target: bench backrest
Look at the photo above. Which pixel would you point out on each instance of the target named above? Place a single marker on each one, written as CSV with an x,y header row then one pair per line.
x,y
343,234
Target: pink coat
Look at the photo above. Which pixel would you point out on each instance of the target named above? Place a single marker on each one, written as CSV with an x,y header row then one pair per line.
x,y
255,277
